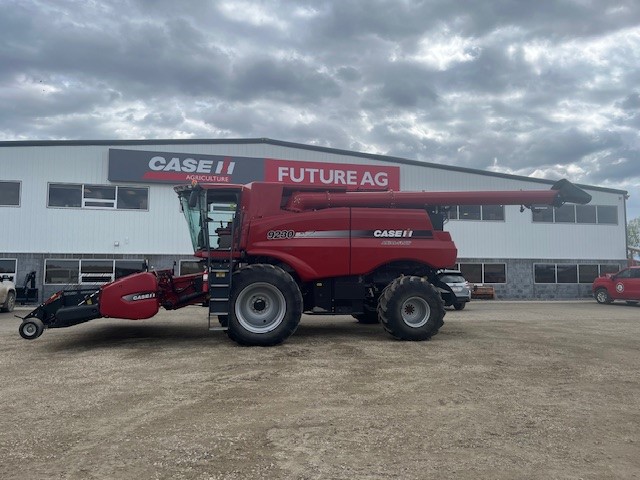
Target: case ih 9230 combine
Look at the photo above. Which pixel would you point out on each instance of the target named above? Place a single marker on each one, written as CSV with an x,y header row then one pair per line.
x,y
271,252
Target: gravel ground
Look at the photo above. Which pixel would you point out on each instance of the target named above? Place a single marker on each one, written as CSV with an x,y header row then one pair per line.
x,y
535,390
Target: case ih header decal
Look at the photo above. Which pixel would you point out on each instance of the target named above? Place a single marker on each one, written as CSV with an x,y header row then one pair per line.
x,y
164,167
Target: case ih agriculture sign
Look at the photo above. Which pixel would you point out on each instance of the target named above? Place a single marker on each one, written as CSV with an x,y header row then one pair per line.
x,y
174,168
162,167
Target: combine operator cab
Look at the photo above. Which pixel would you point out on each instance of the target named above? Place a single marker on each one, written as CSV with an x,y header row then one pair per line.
x,y
211,218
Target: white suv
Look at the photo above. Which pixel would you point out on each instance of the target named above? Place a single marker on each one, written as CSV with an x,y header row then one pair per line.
x,y
460,288
7,294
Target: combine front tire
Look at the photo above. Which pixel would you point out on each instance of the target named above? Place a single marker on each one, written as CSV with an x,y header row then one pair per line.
x,y
410,308
266,306
31,328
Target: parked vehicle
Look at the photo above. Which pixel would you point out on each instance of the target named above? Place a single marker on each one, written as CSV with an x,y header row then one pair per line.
x,y
460,287
7,294
624,285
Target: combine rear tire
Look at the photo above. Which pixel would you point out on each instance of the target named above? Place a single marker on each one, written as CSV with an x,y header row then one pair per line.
x,y
266,306
602,296
410,308
31,328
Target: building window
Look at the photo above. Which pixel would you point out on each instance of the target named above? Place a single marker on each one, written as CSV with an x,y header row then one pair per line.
x,y
96,271
607,214
565,214
544,273
483,272
593,214
89,271
567,273
477,212
587,273
472,272
495,273
469,212
542,214
492,212
9,194
133,198
609,268
586,213
188,267
65,195
61,271
8,268
98,196
127,267
571,273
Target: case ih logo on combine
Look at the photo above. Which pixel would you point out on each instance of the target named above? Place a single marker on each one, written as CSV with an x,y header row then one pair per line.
x,y
393,233
139,296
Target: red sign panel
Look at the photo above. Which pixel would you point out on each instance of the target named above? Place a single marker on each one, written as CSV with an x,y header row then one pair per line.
x,y
353,177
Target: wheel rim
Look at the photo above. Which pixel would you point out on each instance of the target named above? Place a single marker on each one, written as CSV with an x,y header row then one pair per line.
x,y
260,308
415,312
30,329
602,296
11,303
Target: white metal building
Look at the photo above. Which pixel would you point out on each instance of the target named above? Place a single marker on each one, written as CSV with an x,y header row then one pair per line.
x,y
81,212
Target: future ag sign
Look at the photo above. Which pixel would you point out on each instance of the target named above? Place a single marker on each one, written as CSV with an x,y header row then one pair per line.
x,y
164,167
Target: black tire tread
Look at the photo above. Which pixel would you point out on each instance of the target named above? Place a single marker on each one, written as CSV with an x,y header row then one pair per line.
x,y
406,284
274,275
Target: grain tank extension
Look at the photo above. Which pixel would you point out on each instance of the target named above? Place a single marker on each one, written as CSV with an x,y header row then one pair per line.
x,y
270,252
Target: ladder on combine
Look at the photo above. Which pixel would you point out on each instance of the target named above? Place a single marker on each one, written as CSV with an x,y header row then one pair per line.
x,y
220,274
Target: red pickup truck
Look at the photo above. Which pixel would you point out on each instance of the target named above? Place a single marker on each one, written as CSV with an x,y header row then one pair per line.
x,y
624,285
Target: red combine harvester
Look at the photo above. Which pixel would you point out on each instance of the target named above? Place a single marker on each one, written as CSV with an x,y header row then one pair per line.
x,y
271,252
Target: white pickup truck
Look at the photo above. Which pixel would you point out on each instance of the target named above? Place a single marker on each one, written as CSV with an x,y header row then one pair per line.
x,y
7,294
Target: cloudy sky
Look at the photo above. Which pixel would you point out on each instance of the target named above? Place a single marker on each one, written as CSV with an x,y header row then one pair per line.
x,y
545,88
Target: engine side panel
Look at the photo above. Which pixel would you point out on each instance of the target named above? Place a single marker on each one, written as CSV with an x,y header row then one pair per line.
x,y
384,235
316,244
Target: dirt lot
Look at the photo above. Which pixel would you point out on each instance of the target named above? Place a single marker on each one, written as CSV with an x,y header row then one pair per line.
x,y
506,390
